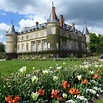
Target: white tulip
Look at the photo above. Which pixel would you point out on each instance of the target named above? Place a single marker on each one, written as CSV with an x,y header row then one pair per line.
x,y
34,78
79,77
64,95
45,71
22,69
34,96
91,72
55,78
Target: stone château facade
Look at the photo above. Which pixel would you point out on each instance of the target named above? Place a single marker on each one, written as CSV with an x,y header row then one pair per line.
x,y
51,39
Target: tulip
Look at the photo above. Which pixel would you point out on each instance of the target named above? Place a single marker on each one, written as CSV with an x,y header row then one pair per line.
x,y
22,70
64,95
55,78
34,96
79,77
34,78
45,71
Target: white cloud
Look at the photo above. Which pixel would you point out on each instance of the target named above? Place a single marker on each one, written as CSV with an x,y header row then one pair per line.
x,y
3,26
1,37
30,21
96,30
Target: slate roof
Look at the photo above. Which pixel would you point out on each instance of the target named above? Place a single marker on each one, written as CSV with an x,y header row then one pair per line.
x,y
69,28
85,29
50,18
33,28
11,29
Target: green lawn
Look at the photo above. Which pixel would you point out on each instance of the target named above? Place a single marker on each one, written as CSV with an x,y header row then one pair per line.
x,y
7,67
100,101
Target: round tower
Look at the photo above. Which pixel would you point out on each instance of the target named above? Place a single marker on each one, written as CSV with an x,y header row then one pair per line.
x,y
53,31
87,35
11,42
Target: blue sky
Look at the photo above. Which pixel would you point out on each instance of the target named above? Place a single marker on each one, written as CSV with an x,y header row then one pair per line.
x,y
26,12
5,17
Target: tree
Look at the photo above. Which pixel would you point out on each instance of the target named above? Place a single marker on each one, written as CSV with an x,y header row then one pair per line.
x,y
100,44
93,42
2,47
96,43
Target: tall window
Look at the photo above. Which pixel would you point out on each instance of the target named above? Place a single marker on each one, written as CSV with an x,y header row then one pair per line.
x,y
22,46
34,46
45,33
53,30
48,45
45,45
22,38
39,46
26,46
57,45
39,34
18,39
18,47
26,37
34,36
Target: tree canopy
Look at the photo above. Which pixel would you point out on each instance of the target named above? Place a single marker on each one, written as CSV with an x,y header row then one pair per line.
x,y
96,43
2,47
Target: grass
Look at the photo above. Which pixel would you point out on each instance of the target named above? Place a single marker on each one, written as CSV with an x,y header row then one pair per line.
x,y
100,101
7,67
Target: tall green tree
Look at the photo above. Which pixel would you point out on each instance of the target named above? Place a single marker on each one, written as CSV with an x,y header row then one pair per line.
x,y
100,44
96,43
2,47
93,42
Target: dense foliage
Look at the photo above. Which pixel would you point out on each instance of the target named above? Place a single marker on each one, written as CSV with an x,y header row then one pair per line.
x,y
2,47
96,43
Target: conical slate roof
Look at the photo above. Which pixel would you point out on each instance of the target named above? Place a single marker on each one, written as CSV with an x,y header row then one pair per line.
x,y
85,29
11,29
51,16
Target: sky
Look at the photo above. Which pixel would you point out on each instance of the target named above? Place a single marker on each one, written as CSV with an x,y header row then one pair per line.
x,y
25,13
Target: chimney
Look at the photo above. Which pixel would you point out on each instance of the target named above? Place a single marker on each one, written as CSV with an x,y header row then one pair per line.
x,y
37,23
73,25
61,20
53,11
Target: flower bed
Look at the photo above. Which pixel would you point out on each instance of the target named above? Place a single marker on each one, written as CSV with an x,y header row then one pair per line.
x,y
76,84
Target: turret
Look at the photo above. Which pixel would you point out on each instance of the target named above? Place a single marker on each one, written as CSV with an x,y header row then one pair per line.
x,y
53,30
11,42
87,35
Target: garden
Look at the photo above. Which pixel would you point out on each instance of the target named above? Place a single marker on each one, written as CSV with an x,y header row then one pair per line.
x,y
78,82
